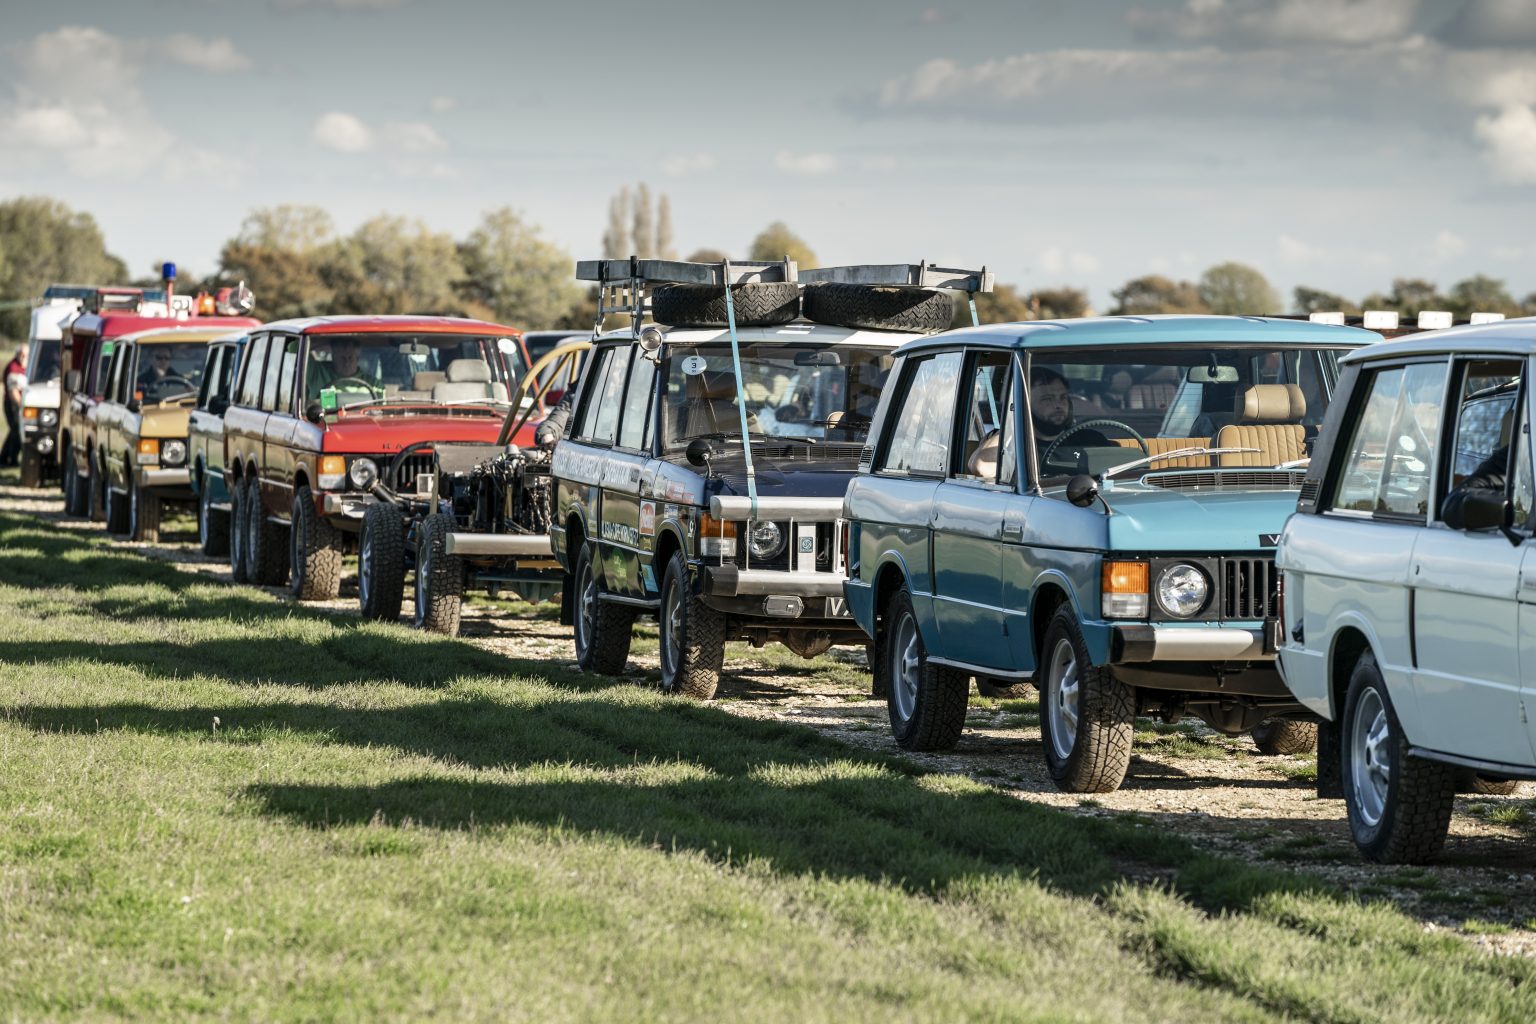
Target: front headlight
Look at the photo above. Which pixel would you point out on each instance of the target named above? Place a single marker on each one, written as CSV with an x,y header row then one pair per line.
x,y
1182,590
362,473
173,453
765,540
48,417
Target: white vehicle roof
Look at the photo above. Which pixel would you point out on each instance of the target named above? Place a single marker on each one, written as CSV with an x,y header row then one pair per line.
x,y
1507,337
48,321
797,331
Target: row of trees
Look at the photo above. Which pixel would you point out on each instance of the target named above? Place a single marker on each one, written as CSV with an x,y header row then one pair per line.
x,y
299,265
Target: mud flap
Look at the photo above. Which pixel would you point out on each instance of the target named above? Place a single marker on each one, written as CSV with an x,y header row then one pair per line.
x,y
1330,761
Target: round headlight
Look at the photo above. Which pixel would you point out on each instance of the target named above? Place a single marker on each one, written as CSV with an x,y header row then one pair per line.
x,y
362,473
45,445
173,452
48,417
1182,590
765,540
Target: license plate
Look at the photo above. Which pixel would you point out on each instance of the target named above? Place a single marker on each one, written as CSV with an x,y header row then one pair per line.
x,y
837,608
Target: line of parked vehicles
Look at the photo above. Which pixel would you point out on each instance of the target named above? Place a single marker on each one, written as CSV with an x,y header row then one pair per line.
x,y
1290,527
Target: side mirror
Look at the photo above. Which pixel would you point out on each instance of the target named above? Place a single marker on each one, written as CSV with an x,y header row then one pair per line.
x,y
1082,490
72,380
1479,509
135,404
314,413
698,452
218,404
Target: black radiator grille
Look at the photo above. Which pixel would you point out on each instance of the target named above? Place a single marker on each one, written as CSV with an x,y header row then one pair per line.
x,y
410,467
1249,588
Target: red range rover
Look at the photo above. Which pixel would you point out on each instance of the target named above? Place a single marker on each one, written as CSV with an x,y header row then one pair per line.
x,y
329,408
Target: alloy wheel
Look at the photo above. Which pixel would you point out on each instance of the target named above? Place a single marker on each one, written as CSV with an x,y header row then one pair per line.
x,y
904,678
1370,738
1062,698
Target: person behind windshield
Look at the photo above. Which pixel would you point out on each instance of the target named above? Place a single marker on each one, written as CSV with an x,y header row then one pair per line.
x,y
1489,479
1050,406
158,369
344,365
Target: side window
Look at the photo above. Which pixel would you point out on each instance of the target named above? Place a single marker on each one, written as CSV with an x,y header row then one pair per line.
x,y
984,410
110,390
1525,486
272,375
634,428
920,432
1387,468
611,398
592,393
1489,419
211,372
290,347
250,371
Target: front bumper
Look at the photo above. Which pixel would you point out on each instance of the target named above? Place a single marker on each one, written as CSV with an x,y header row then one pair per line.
x,y
730,581
1133,644
503,545
180,477
349,505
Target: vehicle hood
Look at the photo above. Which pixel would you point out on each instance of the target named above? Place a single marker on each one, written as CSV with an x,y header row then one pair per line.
x,y
781,477
392,433
42,395
1150,518
164,421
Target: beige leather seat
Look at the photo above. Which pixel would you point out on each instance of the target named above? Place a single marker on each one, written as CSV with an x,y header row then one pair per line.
x,y
468,380
1150,396
1159,445
1269,419
712,406
425,380
983,461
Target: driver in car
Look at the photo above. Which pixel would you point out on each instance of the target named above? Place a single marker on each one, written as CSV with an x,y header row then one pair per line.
x,y
1050,406
158,369
344,364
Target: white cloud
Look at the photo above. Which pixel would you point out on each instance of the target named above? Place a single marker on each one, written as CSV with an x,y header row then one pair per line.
x,y
1506,253
1307,254
1447,245
412,137
688,163
443,104
805,163
216,55
47,128
1268,22
341,132
1509,141
1057,261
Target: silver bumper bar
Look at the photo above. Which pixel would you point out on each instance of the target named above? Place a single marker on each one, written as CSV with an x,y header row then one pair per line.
x,y
511,545
350,505
803,510
1192,643
166,477
729,581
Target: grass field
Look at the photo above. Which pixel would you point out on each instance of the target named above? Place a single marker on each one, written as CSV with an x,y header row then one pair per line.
x,y
213,804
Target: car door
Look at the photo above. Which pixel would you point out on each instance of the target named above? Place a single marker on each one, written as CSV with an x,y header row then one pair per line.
x,y
618,510
203,425
967,519
1523,494
109,413
578,461
632,450
1465,613
245,421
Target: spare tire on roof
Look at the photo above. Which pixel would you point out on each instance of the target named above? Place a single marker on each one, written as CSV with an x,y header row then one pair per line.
x,y
760,304
880,308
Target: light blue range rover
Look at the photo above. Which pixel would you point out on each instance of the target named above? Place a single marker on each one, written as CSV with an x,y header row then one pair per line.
x,y
1092,506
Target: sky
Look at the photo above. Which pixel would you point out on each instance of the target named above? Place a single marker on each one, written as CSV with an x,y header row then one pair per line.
x,y
1330,143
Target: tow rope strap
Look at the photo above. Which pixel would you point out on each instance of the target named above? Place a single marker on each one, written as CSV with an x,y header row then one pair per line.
x,y
741,391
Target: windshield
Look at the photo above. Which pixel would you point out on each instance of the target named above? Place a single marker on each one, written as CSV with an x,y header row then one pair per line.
x,y
815,392
44,361
355,368
1094,409
170,370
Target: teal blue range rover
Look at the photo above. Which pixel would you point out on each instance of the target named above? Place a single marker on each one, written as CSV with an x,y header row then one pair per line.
x,y
1091,506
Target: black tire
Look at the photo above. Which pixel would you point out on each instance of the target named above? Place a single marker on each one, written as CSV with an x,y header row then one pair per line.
x,y
96,490
1468,781
75,496
1280,736
1405,819
439,578
239,533
692,636
926,702
1094,756
144,511
31,469
116,512
602,628
919,310
212,523
703,305
381,563
314,551
266,548
999,690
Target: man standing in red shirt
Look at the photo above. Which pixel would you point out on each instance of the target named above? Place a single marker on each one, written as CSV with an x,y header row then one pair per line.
x,y
15,380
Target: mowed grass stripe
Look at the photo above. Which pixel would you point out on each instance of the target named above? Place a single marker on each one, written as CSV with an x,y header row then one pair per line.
x,y
390,825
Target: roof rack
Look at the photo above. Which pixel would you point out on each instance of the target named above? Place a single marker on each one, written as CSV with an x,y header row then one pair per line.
x,y
624,285
1389,321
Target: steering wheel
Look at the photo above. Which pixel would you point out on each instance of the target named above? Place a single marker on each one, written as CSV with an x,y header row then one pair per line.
x,y
372,391
169,379
1045,456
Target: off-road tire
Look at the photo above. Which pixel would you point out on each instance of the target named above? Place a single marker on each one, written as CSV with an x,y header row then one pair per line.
x,y
1005,691
692,636
439,578
938,696
96,490
76,499
602,628
381,563
266,546
1100,752
703,305
239,533
212,523
116,514
31,469
1416,812
314,551
1468,781
918,310
1281,736
143,514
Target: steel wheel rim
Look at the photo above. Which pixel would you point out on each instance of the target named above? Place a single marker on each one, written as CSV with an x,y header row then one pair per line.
x,y
586,589
364,565
906,667
423,573
252,521
295,553
133,511
203,513
1370,737
1063,699
672,628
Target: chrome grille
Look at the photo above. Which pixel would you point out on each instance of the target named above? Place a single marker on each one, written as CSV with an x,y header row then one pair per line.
x,y
1249,588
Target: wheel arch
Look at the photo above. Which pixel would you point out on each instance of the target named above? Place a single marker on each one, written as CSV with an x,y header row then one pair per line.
x,y
1051,591
1349,643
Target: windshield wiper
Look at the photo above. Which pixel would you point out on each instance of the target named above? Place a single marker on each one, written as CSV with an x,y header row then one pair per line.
x,y
1177,453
